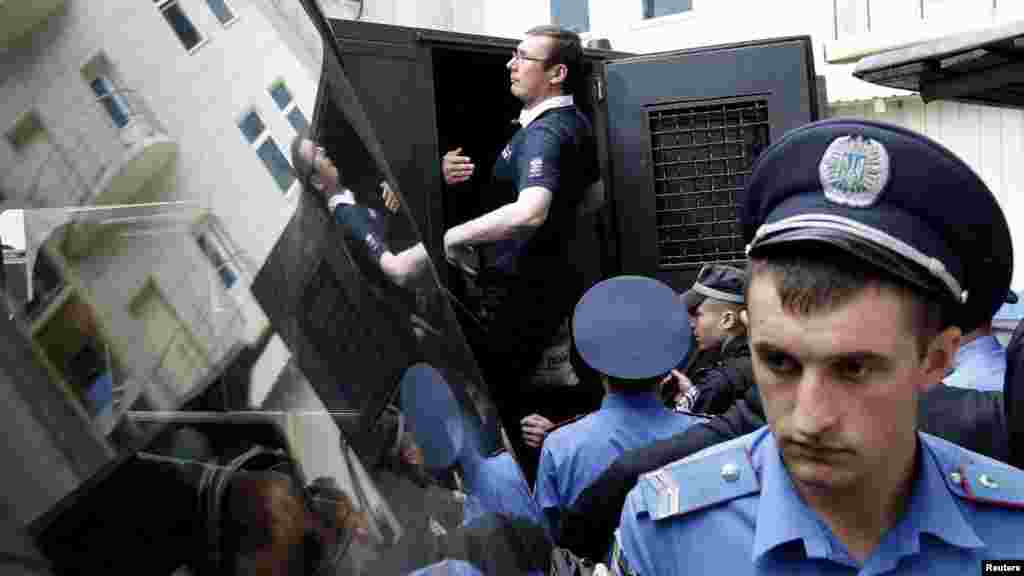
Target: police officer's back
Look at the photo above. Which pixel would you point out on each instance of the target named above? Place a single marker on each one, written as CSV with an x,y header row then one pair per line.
x,y
632,330
871,248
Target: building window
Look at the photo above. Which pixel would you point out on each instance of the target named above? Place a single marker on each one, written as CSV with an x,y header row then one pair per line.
x,y
571,14
852,17
256,133
283,98
26,130
113,101
220,8
101,76
656,8
180,23
218,260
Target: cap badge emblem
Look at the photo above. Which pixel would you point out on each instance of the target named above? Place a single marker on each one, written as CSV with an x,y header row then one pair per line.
x,y
854,171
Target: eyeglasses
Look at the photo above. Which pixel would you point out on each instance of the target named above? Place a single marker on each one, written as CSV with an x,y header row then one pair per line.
x,y
313,174
319,153
518,56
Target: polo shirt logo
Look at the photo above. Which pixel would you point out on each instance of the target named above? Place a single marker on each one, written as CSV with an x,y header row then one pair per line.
x,y
854,170
536,167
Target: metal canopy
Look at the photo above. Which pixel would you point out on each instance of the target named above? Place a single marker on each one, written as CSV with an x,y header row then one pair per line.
x,y
978,67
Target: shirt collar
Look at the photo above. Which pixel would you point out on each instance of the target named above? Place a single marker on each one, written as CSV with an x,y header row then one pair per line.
x,y
983,346
345,196
632,400
527,116
973,360
931,510
784,517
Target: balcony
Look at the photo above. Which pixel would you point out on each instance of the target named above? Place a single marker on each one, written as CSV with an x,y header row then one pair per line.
x,y
20,17
146,150
102,155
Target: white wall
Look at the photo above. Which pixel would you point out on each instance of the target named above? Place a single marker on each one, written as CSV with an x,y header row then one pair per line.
x,y
512,19
990,140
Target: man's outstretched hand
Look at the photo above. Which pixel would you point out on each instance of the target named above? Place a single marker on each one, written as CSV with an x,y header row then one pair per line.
x,y
456,167
535,429
390,198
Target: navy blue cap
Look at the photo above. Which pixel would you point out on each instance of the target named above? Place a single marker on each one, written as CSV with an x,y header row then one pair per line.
x,y
716,281
889,196
433,416
631,327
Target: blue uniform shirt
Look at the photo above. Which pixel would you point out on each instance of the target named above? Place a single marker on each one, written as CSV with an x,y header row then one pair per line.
x,y
448,568
496,484
979,364
576,454
733,509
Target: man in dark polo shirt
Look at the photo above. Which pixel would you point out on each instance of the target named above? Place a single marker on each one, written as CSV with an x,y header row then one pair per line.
x,y
538,181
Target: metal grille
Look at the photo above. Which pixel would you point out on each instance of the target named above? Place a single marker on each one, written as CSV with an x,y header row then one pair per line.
x,y
702,155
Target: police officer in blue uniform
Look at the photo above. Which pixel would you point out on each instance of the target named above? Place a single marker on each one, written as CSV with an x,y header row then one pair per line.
x,y
870,246
980,362
493,483
499,511
632,330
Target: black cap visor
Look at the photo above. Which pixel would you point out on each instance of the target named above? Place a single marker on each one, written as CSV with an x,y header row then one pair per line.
x,y
884,259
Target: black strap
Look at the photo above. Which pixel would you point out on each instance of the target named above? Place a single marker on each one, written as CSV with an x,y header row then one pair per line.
x,y
212,490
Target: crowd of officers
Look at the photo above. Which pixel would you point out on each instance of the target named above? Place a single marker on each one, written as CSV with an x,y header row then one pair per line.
x,y
838,404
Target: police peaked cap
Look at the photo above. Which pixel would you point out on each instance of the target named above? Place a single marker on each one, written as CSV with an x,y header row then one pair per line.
x,y
433,416
889,196
631,327
718,282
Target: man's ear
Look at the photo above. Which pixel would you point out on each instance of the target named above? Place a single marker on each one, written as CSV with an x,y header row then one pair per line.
x,y
561,72
939,357
728,320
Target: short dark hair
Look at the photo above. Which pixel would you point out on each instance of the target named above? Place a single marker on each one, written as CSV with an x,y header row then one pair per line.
x,y
302,168
633,385
811,278
567,50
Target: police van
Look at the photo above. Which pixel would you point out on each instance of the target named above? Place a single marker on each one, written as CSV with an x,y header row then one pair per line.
x,y
395,462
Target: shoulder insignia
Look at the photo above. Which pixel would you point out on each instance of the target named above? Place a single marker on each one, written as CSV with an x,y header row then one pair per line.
x,y
983,483
695,483
978,478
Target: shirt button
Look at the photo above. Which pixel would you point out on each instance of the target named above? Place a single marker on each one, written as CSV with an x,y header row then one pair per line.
x,y
730,472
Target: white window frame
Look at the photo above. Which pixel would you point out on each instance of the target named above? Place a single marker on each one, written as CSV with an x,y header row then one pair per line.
x,y
161,5
231,9
210,230
259,140
292,105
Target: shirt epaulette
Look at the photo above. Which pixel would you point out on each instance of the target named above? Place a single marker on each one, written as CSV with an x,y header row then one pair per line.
x,y
706,479
976,478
